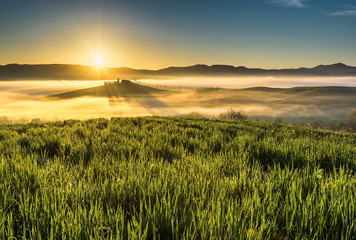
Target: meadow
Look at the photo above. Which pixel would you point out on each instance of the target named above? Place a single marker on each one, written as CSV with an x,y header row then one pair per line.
x,y
176,178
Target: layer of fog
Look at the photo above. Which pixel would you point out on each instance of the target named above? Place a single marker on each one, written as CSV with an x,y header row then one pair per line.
x,y
44,88
248,82
29,100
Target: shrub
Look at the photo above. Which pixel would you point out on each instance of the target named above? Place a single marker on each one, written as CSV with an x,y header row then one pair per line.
x,y
352,119
233,115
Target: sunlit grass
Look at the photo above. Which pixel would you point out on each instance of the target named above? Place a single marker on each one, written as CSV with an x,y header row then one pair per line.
x,y
176,178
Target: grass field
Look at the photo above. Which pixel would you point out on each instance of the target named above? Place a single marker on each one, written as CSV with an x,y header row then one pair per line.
x,y
176,178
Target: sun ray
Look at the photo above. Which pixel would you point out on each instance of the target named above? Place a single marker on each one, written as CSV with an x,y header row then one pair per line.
x,y
98,61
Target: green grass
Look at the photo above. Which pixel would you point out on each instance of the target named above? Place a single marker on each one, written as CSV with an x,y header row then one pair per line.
x,y
176,178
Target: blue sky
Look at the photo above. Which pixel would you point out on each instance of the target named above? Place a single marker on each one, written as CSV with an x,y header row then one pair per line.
x,y
156,33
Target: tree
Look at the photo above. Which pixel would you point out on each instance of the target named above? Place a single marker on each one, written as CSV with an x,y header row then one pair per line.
x,y
232,114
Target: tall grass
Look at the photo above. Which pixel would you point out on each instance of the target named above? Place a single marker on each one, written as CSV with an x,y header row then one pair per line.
x,y
176,178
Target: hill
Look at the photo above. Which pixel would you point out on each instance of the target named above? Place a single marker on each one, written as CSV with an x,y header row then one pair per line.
x,y
313,91
128,88
299,104
176,178
116,89
79,72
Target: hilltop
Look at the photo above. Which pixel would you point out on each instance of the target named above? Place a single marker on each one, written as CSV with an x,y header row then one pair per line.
x,y
111,89
80,72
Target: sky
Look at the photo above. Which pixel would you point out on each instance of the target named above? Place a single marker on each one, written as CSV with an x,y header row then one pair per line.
x,y
153,34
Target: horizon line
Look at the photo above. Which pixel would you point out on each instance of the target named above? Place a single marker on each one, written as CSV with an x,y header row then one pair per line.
x,y
173,66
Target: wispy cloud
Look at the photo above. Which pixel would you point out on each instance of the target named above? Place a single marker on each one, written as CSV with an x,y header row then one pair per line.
x,y
290,3
351,11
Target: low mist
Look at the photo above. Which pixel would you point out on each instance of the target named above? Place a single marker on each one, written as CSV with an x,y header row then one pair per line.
x,y
30,100
234,82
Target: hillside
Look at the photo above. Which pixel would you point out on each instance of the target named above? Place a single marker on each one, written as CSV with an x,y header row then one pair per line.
x,y
79,72
109,90
330,91
117,89
300,104
175,178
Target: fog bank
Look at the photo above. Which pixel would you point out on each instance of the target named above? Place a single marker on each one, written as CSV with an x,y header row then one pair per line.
x,y
29,99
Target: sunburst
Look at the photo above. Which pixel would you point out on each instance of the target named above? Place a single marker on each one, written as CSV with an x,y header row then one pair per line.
x,y
98,61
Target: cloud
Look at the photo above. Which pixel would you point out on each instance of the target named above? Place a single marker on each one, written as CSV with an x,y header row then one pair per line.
x,y
348,12
290,3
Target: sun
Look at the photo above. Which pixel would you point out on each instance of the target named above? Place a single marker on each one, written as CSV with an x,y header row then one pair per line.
x,y
98,61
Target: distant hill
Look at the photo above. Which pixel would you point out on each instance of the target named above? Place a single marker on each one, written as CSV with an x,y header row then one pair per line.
x,y
130,89
298,104
331,91
80,72
116,89
60,72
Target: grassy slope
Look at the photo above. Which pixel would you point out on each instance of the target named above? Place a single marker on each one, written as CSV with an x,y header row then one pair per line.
x,y
176,178
110,90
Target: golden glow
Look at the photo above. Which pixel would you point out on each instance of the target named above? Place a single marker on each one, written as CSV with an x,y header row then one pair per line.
x,y
98,61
